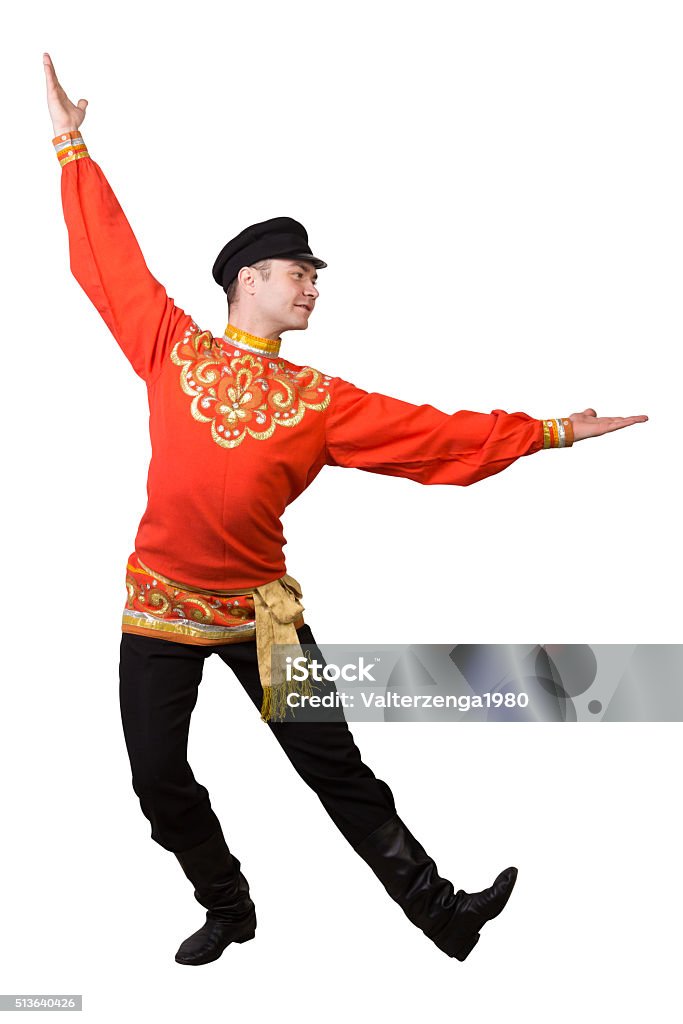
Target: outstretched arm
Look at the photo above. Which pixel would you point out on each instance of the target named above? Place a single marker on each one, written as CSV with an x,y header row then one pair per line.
x,y
384,435
105,257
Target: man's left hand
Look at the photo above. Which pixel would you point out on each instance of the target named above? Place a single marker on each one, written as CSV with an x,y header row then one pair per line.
x,y
589,424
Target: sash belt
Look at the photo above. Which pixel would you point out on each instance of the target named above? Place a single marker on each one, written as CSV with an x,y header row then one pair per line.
x,y
277,606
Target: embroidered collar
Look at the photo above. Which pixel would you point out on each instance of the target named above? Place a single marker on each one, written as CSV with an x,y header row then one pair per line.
x,y
251,342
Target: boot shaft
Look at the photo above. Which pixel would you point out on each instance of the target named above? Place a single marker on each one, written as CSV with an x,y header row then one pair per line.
x,y
452,920
220,887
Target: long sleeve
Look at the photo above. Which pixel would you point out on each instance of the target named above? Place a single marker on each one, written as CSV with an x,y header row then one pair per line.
x,y
384,435
107,263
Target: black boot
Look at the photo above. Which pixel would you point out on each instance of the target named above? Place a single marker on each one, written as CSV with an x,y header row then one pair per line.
x,y
452,920
223,890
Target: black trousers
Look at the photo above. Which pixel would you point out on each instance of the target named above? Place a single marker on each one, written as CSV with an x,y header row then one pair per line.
x,y
159,684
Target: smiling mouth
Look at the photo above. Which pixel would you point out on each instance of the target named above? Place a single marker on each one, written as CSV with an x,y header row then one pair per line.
x,y
308,308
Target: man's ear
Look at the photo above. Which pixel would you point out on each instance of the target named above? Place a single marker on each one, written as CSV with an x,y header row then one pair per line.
x,y
247,279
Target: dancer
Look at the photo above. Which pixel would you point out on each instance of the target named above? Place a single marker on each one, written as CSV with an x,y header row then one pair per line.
x,y
237,433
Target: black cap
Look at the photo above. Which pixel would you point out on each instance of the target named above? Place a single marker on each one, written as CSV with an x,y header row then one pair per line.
x,y
270,239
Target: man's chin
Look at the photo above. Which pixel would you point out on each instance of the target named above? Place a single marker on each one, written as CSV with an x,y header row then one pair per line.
x,y
298,323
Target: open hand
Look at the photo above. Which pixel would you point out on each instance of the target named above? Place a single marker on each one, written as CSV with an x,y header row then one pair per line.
x,y
66,117
589,424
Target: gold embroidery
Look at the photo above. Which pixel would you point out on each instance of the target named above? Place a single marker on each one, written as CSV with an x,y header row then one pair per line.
x,y
153,595
157,603
239,393
156,606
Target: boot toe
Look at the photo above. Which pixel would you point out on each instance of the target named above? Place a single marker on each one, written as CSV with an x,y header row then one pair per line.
x,y
506,878
485,905
502,890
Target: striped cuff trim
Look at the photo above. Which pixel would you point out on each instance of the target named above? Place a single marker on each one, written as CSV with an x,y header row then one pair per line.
x,y
558,433
69,146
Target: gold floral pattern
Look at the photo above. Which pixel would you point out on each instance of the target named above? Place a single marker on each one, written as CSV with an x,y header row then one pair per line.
x,y
149,595
240,393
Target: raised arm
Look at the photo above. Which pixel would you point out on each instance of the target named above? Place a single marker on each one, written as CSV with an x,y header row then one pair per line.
x,y
384,435
105,257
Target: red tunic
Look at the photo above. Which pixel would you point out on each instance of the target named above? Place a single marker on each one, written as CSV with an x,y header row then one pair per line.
x,y
236,434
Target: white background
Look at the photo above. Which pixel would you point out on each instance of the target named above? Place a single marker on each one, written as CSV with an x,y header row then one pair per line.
x,y
497,190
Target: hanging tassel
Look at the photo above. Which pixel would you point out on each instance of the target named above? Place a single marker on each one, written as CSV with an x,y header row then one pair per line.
x,y
274,706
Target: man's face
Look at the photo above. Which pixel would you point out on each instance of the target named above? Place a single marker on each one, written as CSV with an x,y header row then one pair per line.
x,y
289,295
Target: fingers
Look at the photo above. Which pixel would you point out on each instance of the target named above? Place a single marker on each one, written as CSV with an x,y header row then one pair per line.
x,y
622,420
82,104
50,72
626,421
606,424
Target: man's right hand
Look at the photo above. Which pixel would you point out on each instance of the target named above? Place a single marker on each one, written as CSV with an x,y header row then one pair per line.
x,y
66,117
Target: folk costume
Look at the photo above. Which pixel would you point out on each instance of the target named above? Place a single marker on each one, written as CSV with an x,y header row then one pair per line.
x,y
237,433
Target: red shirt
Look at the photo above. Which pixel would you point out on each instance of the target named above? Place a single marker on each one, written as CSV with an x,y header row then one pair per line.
x,y
237,435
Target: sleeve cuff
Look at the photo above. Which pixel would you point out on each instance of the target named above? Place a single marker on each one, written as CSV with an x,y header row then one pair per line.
x,y
69,147
558,433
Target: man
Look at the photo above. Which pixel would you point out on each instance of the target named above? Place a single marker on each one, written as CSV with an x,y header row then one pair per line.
x,y
237,433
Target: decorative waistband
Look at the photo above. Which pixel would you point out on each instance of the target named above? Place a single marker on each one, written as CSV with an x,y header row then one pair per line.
x,y
271,612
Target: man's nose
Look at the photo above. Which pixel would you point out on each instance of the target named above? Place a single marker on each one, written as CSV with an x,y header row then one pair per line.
x,y
312,290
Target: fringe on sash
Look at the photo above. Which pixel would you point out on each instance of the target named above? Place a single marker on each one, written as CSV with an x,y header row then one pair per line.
x,y
274,706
